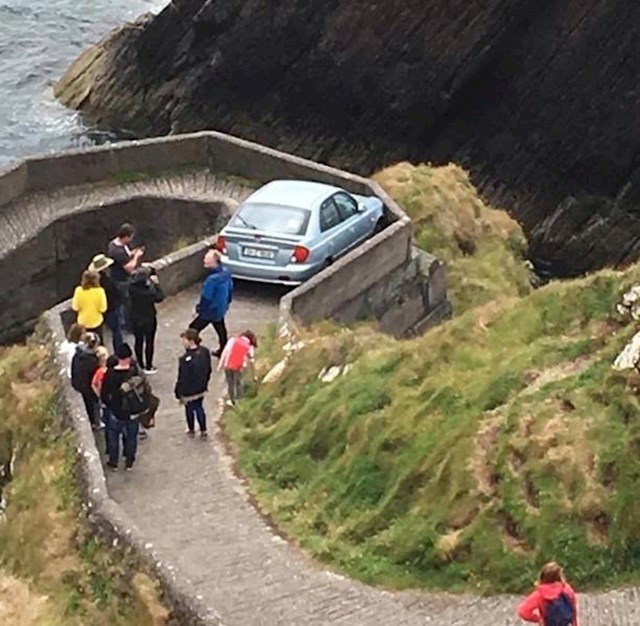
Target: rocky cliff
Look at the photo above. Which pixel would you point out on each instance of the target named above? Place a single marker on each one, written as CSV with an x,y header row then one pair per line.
x,y
539,99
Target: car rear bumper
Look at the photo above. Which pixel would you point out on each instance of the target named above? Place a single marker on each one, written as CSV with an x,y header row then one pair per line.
x,y
291,275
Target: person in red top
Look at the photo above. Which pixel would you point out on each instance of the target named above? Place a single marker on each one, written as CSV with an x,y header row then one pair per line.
x,y
552,594
235,356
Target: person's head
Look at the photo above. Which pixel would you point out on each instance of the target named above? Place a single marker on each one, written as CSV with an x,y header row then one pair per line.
x,y
91,340
125,233
76,332
141,274
100,263
124,354
112,361
251,336
190,338
551,573
103,354
90,279
211,259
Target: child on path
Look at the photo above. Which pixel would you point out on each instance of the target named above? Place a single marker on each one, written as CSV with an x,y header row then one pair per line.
x,y
194,372
553,603
90,303
237,354
69,346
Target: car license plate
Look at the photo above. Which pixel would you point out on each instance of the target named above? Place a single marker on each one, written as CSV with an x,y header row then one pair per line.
x,y
258,253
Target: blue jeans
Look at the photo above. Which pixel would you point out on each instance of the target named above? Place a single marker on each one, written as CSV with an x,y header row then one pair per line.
x,y
194,410
112,319
128,429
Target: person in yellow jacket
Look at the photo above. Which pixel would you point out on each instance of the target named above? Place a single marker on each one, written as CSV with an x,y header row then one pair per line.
x,y
90,302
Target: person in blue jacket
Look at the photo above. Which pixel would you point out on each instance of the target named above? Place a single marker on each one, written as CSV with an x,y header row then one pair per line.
x,y
215,298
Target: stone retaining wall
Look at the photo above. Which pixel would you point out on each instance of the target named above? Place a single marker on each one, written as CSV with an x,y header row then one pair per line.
x,y
353,279
105,516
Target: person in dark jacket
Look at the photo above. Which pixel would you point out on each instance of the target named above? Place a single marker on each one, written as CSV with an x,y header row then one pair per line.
x,y
123,423
144,293
101,263
194,372
215,298
83,366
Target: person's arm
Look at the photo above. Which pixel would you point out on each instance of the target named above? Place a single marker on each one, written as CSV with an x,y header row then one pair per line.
x,y
529,609
224,356
207,358
134,261
107,391
102,295
75,303
177,390
158,294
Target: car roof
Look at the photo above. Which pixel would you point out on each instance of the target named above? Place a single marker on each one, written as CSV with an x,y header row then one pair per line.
x,y
294,193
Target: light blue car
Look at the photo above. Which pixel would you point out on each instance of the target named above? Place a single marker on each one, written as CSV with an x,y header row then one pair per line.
x,y
289,230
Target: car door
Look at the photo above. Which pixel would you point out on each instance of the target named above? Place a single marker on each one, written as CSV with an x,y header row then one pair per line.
x,y
353,226
330,231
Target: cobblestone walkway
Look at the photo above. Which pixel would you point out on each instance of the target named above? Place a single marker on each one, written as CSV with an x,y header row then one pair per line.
x,y
30,213
184,496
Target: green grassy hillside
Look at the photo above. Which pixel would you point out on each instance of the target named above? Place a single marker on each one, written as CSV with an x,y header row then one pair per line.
x,y
465,458
52,572
482,246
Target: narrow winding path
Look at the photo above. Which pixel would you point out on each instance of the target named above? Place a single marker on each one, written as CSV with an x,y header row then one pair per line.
x,y
185,498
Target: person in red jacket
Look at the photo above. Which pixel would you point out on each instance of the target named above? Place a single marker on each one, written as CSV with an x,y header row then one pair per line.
x,y
552,595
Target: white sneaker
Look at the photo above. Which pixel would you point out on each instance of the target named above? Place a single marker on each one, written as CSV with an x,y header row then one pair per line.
x,y
229,403
150,371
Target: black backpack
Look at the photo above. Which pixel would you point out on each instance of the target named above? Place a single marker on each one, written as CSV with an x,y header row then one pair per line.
x,y
560,611
135,393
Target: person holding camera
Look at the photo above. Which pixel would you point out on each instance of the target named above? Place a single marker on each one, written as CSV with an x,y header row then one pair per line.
x,y
126,260
144,293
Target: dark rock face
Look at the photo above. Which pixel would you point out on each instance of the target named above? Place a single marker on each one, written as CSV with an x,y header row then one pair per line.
x,y
538,98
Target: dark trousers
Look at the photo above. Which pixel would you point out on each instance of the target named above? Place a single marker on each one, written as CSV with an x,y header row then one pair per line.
x,y
145,336
128,430
113,324
92,406
194,409
218,325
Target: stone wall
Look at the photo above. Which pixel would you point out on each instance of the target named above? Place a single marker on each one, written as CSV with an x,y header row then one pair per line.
x,y
50,262
106,518
52,257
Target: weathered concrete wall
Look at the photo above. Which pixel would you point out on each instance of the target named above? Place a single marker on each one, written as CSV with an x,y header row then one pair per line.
x,y
106,518
52,257
46,267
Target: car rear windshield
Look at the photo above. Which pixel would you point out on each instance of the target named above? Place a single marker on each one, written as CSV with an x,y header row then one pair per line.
x,y
272,218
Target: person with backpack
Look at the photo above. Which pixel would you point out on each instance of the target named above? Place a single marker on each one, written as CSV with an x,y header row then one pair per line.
x,y
215,298
553,602
69,346
144,293
83,367
126,394
238,353
194,372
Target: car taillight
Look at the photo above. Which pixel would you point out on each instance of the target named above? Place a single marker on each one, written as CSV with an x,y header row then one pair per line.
x,y
300,254
221,244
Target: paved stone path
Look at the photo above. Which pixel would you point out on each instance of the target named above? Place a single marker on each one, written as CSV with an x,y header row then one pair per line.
x,y
32,212
184,496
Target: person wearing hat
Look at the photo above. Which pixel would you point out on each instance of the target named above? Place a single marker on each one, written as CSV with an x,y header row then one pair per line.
x,y
101,263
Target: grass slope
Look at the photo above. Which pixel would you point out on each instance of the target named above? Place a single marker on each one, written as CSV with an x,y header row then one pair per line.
x,y
52,572
482,247
462,459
